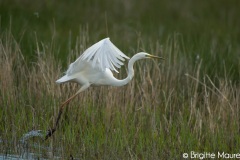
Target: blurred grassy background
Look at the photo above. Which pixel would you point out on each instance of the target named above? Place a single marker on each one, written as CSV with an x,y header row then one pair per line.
x,y
213,25
152,18
161,114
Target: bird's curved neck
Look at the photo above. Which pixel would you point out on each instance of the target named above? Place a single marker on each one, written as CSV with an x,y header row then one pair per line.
x,y
130,73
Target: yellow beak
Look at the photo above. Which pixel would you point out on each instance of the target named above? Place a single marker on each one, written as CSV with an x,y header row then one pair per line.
x,y
152,56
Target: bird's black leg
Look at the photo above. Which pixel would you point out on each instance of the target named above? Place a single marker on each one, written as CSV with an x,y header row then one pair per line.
x,y
51,131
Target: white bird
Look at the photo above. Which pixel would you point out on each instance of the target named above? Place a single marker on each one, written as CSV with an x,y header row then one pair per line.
x,y
94,66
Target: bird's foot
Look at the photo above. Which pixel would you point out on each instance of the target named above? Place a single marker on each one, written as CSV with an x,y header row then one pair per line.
x,y
50,133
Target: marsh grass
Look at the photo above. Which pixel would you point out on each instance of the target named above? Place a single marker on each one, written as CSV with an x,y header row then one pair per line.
x,y
169,108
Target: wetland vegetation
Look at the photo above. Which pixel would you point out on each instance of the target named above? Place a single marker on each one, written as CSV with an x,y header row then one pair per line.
x,y
189,102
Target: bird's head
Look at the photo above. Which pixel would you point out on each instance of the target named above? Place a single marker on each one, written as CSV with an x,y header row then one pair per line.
x,y
143,55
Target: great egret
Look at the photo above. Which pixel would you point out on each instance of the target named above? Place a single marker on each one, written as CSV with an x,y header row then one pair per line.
x,y
94,67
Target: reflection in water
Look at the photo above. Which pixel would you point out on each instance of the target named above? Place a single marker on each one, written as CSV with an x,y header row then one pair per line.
x,y
30,146
33,133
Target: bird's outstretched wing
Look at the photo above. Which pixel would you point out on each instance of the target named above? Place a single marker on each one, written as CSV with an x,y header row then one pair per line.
x,y
104,54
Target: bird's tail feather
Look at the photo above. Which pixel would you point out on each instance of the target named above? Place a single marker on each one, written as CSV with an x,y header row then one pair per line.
x,y
63,79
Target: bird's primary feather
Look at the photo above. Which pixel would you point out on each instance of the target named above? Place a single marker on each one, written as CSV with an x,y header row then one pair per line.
x,y
104,54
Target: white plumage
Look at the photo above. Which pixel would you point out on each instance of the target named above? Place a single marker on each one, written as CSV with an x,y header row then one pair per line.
x,y
102,55
95,64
